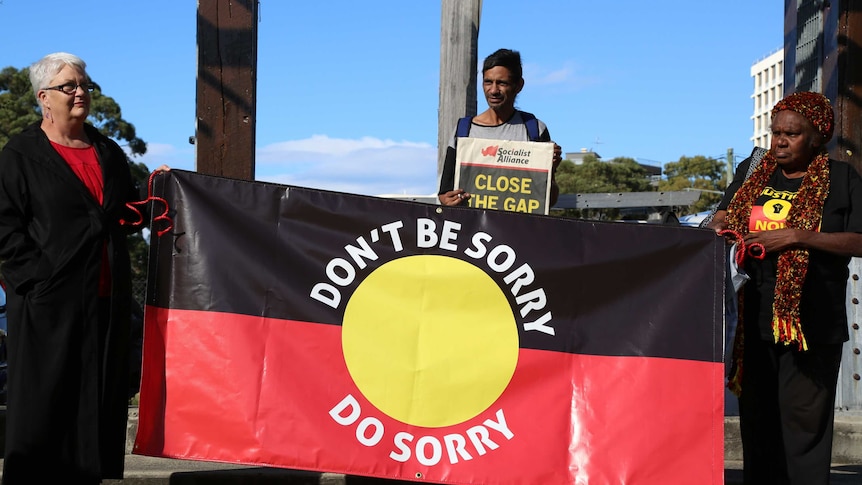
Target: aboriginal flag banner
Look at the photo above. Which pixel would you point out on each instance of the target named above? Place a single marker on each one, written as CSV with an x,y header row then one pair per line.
x,y
329,332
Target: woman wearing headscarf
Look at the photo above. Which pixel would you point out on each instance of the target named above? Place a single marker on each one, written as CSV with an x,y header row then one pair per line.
x,y
801,212
63,191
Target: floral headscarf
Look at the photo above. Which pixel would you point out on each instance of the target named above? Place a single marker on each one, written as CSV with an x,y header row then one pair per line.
x,y
814,107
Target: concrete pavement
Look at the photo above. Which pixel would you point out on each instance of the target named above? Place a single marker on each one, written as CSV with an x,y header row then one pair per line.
x,y
143,470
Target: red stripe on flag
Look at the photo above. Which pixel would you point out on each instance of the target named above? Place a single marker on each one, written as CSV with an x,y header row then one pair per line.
x,y
253,390
503,167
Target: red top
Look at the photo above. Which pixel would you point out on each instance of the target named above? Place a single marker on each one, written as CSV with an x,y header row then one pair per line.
x,y
85,163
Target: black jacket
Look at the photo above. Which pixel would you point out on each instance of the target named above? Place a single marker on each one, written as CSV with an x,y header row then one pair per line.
x,y
68,368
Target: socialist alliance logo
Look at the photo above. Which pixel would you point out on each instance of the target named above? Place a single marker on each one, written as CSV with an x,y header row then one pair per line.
x,y
490,151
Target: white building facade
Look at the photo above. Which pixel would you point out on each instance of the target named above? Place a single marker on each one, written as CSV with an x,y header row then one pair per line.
x,y
768,75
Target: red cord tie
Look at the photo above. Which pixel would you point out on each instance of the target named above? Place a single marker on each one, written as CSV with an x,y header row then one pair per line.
x,y
150,198
755,250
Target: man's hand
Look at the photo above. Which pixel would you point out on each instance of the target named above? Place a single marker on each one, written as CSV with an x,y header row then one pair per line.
x,y
453,197
558,155
555,189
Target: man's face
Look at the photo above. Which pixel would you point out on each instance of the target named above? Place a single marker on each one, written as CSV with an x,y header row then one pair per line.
x,y
500,89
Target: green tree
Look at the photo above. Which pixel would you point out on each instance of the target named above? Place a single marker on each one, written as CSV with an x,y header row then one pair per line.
x,y
17,103
594,176
705,174
19,109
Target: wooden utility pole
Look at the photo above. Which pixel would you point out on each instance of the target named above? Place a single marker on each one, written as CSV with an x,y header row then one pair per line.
x,y
823,53
846,95
226,87
459,46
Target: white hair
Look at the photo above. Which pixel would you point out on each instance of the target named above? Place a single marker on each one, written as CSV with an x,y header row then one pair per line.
x,y
43,70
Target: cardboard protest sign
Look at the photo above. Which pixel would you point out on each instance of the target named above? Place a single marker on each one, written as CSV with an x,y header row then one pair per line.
x,y
513,176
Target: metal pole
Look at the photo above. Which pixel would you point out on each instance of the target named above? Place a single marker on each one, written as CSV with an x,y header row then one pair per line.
x,y
729,165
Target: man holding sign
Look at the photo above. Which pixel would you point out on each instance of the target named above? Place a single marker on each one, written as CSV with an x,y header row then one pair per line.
x,y
502,80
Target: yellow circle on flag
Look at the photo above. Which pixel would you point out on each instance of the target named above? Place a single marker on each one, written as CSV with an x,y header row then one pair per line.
x,y
430,340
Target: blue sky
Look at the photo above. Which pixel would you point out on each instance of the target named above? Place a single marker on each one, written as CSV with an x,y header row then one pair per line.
x,y
347,91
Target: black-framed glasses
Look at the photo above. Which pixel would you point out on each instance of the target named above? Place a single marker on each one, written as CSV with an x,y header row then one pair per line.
x,y
72,88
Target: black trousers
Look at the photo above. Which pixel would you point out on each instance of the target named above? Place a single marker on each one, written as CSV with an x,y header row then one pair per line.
x,y
786,412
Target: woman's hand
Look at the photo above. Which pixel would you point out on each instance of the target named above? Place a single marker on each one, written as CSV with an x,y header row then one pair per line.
x,y
454,197
775,240
719,221
841,243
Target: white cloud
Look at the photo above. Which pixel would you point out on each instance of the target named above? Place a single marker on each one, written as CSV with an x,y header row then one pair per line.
x,y
368,166
325,145
565,76
162,153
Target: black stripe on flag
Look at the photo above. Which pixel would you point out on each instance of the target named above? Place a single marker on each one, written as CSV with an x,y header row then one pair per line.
x,y
256,248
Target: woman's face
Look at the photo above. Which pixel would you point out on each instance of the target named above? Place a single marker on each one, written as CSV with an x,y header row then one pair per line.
x,y
74,106
795,141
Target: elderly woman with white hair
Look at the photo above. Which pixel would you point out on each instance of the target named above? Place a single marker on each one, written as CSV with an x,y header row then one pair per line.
x,y
63,191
